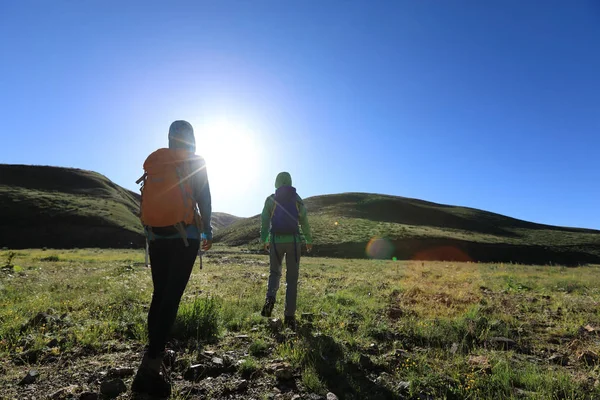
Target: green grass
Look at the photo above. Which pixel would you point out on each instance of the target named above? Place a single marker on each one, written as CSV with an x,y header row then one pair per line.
x,y
66,208
372,323
343,225
198,320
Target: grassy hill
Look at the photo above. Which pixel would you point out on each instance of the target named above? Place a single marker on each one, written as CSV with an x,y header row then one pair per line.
x,y
64,208
223,220
55,207
344,224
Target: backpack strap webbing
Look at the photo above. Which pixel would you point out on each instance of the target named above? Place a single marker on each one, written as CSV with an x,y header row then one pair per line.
x,y
141,178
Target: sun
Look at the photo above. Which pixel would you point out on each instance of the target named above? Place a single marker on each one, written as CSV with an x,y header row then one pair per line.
x,y
232,154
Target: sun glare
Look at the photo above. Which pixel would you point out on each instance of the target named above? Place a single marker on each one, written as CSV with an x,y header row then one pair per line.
x,y
233,156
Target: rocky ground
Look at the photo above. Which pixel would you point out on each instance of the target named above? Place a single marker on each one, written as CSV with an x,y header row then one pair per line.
x,y
196,373
72,326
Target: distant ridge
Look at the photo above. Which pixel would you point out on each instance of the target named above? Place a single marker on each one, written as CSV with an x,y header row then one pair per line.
x,y
344,224
55,207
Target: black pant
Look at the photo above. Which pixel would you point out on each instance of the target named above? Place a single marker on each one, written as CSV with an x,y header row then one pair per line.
x,y
171,263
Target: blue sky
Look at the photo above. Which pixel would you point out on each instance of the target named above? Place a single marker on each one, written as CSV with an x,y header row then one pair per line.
x,y
488,104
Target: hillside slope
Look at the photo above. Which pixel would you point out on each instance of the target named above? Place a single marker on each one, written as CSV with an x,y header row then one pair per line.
x,y
56,207
223,220
344,224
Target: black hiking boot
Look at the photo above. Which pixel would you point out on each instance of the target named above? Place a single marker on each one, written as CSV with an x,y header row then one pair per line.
x,y
268,307
150,380
290,322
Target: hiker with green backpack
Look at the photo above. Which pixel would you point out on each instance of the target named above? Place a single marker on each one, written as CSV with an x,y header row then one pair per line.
x,y
176,213
283,212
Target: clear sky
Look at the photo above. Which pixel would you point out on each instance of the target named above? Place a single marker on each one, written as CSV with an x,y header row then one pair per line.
x,y
488,104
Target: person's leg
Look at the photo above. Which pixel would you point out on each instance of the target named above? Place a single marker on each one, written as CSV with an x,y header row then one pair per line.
x,y
159,256
292,268
172,264
179,269
275,259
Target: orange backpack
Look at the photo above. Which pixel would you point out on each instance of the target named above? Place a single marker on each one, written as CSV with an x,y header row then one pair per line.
x,y
167,194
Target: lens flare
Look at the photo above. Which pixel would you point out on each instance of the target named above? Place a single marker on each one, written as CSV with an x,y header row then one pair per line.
x,y
379,248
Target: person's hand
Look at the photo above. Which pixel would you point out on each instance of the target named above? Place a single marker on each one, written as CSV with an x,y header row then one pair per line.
x,y
266,247
308,247
206,245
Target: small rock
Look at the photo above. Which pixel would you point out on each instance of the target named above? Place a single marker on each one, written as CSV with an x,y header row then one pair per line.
x,y
217,361
49,359
559,359
209,353
395,312
284,374
399,353
242,385
275,324
501,343
283,371
112,388
170,358
64,392
312,396
30,378
372,349
41,318
331,396
194,372
28,357
590,329
454,348
121,372
88,396
481,362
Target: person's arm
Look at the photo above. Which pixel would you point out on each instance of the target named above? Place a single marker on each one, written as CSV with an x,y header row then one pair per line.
x,y
265,220
303,217
202,195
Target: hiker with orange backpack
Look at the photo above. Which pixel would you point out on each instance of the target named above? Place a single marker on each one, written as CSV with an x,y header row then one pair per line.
x,y
279,232
176,214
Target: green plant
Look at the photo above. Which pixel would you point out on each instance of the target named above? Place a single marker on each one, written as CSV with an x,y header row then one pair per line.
x,y
258,348
312,382
248,367
10,256
198,320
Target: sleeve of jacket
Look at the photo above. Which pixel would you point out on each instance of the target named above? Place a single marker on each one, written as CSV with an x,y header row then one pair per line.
x,y
202,194
265,220
303,217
